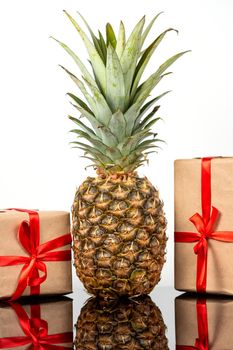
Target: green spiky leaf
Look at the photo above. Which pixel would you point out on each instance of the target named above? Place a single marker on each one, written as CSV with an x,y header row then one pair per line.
x,y
131,116
146,119
94,38
145,59
110,36
82,88
80,103
102,111
133,140
130,54
148,28
83,126
153,80
95,142
117,125
95,58
147,106
115,86
108,137
92,151
77,60
120,40
103,47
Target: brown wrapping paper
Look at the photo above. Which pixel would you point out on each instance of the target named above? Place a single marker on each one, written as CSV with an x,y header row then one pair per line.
x,y
220,322
52,225
187,203
58,315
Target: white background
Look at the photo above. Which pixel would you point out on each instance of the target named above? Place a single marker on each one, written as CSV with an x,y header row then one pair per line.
x,y
38,169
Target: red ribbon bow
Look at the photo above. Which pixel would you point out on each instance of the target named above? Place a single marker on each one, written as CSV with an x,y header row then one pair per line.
x,y
36,332
205,227
29,237
202,342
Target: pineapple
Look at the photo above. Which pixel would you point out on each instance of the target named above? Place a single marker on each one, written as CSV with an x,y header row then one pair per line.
x,y
118,220
123,324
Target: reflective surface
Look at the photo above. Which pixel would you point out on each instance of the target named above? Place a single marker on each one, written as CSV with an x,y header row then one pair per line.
x,y
204,323
132,323
164,320
161,300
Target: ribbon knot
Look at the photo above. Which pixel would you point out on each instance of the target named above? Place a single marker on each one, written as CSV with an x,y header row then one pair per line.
x,y
34,271
205,228
205,225
38,330
201,244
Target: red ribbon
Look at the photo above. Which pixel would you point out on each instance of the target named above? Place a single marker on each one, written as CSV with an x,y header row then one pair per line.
x,y
29,237
205,227
202,342
36,332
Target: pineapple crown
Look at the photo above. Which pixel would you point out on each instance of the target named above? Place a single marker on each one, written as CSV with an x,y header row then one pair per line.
x,y
117,133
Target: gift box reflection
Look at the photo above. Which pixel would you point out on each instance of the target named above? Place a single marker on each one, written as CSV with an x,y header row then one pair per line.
x,y
120,324
46,325
204,323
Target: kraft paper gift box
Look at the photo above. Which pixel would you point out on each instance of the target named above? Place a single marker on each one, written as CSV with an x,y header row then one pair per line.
x,y
204,323
204,225
38,325
35,253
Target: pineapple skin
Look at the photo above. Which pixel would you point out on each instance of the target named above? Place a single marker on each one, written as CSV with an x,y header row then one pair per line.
x,y
119,235
121,325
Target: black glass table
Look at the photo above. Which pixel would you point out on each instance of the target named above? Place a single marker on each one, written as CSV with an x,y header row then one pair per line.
x,y
164,320
167,320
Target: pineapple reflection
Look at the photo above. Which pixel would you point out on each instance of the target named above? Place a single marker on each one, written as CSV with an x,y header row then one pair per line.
x,y
129,324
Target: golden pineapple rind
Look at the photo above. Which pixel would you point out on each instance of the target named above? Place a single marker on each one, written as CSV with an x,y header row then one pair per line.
x,y
123,324
119,235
